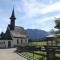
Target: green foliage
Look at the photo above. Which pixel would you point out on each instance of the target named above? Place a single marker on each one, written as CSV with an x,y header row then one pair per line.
x,y
40,43
22,48
36,40
58,55
52,31
57,22
2,34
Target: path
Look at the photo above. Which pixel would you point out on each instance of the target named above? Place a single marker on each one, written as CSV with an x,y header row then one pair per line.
x,y
9,54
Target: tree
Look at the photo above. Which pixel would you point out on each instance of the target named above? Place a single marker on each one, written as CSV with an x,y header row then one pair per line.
x,y
57,22
52,31
2,34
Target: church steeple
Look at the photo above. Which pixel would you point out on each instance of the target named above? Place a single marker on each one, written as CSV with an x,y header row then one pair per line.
x,y
13,15
12,22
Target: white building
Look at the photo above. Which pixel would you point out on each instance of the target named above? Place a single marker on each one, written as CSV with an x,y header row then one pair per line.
x,y
14,35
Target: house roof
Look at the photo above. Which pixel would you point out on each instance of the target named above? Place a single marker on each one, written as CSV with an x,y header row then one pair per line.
x,y
53,36
18,32
49,36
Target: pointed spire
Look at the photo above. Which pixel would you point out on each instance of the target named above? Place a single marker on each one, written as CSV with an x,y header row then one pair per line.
x,y
13,15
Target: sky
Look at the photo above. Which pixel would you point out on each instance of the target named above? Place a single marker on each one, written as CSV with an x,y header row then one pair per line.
x,y
30,14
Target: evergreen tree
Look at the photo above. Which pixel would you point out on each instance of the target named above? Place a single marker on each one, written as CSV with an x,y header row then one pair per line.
x,y
2,34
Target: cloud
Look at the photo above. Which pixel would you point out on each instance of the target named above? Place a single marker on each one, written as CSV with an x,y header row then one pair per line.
x,y
34,8
51,8
47,18
4,20
30,7
51,1
26,10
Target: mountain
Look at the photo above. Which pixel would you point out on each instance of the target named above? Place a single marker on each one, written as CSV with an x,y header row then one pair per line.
x,y
36,34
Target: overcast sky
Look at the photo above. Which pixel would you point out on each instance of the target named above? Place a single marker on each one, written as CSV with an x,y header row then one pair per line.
x,y
34,14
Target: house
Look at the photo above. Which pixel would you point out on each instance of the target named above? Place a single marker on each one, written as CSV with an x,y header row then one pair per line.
x,y
52,40
14,35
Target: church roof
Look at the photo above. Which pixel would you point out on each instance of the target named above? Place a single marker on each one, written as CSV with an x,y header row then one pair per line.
x,y
18,32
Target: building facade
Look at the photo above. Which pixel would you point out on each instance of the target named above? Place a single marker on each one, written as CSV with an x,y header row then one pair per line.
x,y
14,35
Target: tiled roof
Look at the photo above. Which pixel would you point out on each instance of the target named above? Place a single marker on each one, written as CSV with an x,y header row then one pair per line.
x,y
18,32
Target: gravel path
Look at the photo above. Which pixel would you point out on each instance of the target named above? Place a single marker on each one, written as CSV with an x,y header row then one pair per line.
x,y
8,54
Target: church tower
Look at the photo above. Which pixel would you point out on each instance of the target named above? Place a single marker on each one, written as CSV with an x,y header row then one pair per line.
x,y
12,22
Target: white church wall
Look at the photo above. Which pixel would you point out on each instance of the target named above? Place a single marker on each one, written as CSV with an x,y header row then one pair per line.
x,y
20,41
14,41
4,43
26,40
23,41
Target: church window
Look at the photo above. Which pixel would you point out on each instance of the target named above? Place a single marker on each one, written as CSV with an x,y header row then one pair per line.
x,y
21,41
17,41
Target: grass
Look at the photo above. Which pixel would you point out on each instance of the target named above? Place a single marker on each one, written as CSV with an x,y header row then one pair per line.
x,y
58,55
40,56
37,56
31,55
39,43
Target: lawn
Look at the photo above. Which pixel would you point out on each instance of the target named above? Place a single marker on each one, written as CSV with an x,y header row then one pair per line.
x,y
39,56
39,43
58,55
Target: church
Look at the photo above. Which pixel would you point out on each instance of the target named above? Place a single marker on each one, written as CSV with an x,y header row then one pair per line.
x,y
14,35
